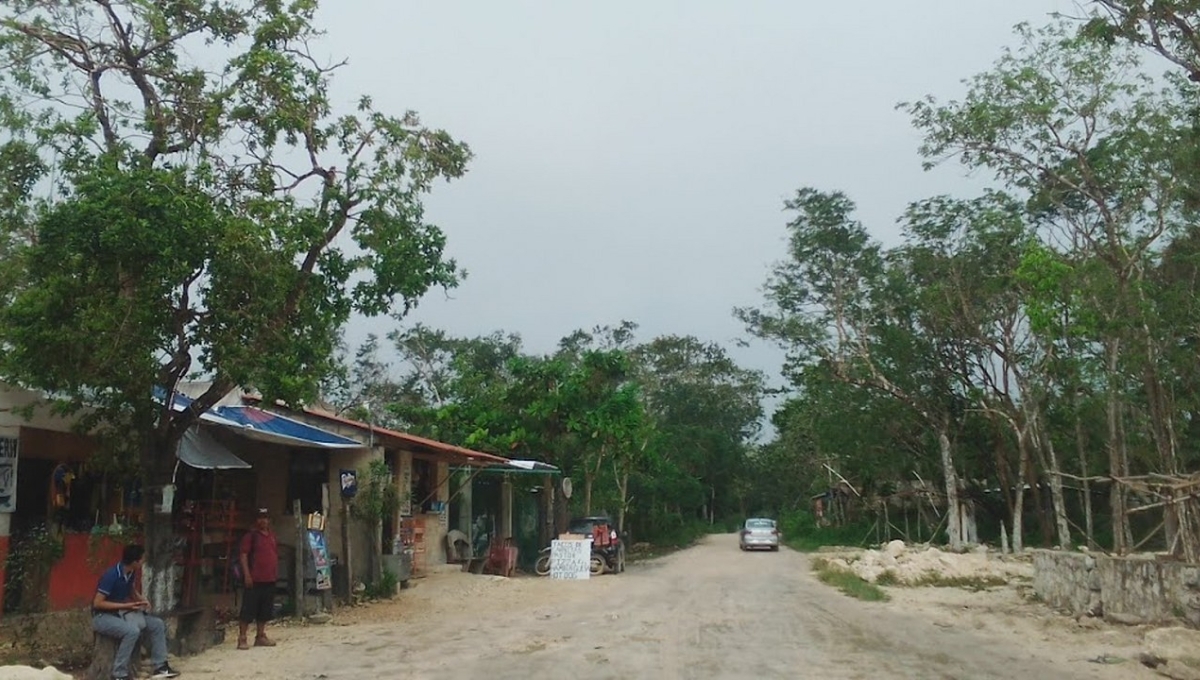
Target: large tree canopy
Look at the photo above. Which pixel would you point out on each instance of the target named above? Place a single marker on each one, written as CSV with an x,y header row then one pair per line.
x,y
183,197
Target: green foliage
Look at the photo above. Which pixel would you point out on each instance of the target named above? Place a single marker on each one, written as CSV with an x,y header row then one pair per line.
x,y
28,563
221,219
800,532
848,583
378,496
658,430
384,588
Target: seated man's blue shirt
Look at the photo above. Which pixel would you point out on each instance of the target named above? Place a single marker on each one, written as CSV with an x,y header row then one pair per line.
x,y
115,585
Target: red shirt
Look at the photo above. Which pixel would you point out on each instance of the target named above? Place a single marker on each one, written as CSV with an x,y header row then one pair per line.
x,y
263,555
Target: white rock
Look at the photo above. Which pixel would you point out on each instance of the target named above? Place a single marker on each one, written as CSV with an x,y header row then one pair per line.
x,y
30,673
1175,644
894,549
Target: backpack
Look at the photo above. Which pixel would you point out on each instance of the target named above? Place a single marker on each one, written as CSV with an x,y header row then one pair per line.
x,y
235,569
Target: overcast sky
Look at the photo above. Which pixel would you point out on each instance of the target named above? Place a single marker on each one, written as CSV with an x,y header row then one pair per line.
x,y
631,158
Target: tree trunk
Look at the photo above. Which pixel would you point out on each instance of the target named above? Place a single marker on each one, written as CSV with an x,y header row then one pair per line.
x,y
587,493
104,653
1123,455
953,521
1057,498
1035,490
1081,446
622,477
1019,518
1018,514
1116,451
158,570
377,551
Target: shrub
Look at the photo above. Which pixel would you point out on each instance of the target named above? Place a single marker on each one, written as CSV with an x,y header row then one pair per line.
x,y
848,583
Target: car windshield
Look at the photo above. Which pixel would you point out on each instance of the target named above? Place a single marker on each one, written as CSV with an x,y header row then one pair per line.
x,y
760,524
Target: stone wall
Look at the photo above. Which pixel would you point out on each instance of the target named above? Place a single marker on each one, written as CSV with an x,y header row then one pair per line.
x,y
1131,590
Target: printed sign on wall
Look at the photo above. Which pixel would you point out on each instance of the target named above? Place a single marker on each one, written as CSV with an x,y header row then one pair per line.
x,y
349,483
570,560
8,474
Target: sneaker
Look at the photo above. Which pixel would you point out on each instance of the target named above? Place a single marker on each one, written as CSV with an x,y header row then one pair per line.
x,y
165,671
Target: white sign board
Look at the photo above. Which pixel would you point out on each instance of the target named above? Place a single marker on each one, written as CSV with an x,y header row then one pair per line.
x,y
8,474
570,560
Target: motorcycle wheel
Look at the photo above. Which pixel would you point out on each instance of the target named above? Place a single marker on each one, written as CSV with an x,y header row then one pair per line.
x,y
597,565
542,566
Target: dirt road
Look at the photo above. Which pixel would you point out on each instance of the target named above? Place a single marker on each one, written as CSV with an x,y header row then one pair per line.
x,y
707,612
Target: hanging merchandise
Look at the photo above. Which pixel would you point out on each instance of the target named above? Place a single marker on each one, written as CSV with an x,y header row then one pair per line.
x,y
60,482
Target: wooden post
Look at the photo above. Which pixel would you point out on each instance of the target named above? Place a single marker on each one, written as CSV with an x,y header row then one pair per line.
x,y
546,534
298,561
346,549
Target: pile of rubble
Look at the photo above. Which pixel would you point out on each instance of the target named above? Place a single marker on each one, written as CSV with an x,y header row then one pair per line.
x,y
900,564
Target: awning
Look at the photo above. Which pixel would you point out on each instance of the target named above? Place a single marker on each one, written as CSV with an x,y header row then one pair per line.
x,y
516,467
261,425
532,466
256,423
201,450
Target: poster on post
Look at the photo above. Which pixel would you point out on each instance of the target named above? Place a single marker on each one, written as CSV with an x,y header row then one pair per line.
x,y
8,474
320,556
569,560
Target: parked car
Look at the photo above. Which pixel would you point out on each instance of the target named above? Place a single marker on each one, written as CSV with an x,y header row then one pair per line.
x,y
759,532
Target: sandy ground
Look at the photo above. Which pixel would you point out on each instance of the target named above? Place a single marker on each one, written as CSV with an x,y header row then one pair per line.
x,y
707,612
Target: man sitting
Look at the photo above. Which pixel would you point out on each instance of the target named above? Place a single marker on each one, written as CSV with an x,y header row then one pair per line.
x,y
119,611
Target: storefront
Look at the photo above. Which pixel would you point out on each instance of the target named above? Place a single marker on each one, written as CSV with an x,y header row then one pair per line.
x,y
67,519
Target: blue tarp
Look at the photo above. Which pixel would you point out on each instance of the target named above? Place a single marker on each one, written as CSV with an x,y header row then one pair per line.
x,y
259,424
256,423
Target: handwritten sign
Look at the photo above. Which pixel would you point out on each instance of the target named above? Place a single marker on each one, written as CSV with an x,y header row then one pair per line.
x,y
570,560
8,474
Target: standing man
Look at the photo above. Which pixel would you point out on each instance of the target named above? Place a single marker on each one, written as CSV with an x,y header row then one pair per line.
x,y
259,557
119,611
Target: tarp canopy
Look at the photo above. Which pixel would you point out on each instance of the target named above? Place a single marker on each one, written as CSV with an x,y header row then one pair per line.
x,y
266,426
201,450
256,423
518,467
532,466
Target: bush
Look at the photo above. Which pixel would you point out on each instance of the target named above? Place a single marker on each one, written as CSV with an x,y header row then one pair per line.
x,y
800,532
384,588
847,582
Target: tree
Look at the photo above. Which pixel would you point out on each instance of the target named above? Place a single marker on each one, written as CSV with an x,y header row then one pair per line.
x,y
705,410
172,218
1168,27
1093,145
378,499
832,302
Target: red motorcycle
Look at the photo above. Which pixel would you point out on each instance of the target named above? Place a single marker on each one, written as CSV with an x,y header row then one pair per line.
x,y
608,550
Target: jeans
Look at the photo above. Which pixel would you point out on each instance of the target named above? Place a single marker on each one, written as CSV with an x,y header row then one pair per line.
x,y
128,627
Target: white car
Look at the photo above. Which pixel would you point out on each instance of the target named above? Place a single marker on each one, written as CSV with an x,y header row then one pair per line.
x,y
759,532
